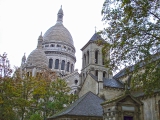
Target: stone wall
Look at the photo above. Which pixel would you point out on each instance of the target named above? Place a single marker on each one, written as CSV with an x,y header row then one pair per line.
x,y
89,85
110,93
151,108
73,81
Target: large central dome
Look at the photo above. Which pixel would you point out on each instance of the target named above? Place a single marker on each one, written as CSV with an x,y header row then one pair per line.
x,y
58,33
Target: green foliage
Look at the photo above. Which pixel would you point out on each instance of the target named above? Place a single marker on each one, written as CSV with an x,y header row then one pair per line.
x,y
133,31
35,117
22,96
7,95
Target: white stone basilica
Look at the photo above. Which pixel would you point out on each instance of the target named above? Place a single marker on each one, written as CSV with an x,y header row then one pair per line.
x,y
55,50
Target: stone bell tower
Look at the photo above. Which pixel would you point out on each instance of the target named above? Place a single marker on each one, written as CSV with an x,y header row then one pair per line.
x,y
93,62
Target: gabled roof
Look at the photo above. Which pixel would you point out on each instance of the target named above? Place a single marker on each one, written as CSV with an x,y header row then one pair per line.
x,y
94,38
121,97
112,83
87,105
123,72
132,68
109,82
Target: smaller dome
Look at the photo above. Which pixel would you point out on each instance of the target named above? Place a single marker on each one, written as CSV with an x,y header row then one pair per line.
x,y
37,58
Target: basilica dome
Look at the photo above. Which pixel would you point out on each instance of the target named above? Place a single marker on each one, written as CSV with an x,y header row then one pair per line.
x,y
58,33
37,57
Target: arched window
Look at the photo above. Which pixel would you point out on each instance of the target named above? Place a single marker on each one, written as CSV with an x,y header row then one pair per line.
x,y
52,45
76,81
27,74
58,45
50,63
68,64
72,68
75,92
62,65
96,73
84,60
83,75
104,74
96,56
56,64
87,57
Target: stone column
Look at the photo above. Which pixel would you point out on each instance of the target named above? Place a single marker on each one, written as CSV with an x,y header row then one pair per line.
x,y
100,80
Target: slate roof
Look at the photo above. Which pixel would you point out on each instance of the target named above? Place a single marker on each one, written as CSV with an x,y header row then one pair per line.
x,y
131,68
96,37
109,82
87,105
141,93
112,83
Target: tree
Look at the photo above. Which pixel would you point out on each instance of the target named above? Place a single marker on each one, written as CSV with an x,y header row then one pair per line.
x,y
8,94
56,97
35,117
4,66
133,35
43,94
8,91
31,97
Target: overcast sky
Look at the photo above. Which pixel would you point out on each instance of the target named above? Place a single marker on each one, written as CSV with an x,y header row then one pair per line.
x,y
21,22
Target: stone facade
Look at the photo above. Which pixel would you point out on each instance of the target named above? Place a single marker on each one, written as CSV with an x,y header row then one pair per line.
x,y
110,93
55,51
151,107
89,85
73,81
124,107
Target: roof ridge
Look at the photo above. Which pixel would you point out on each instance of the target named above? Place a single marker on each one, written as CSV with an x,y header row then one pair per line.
x,y
80,100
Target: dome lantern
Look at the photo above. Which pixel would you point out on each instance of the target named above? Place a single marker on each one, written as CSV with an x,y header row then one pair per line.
x,y
58,33
40,40
60,15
